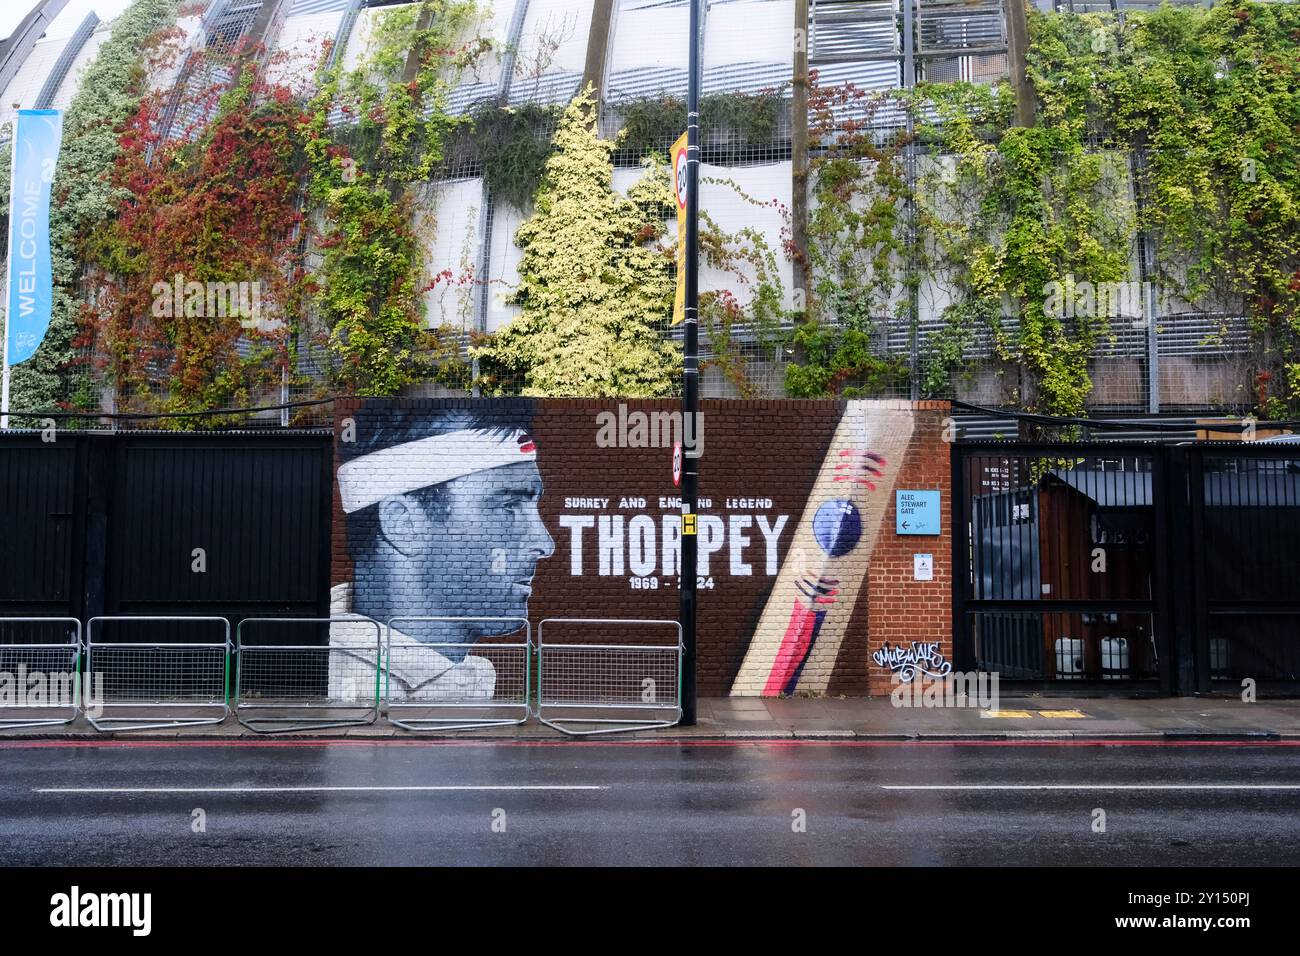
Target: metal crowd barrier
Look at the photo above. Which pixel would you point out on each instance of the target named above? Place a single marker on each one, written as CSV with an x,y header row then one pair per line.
x,y
476,684
174,678
58,664
276,680
585,678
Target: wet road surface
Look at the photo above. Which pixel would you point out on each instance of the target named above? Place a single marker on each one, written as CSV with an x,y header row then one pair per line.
x,y
631,803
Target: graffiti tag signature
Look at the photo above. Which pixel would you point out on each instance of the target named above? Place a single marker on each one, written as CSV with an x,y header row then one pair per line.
x,y
907,662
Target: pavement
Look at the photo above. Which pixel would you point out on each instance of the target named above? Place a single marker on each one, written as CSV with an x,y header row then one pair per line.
x,y
653,803
1049,718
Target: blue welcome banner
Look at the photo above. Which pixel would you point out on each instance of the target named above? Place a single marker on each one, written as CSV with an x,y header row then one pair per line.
x,y
36,150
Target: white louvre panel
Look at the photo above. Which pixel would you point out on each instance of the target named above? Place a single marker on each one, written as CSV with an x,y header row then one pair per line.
x,y
648,51
646,83
732,213
869,76
68,88
447,224
503,271
897,335
27,83
748,44
959,25
308,7
1123,338
552,51
300,47
1203,333
557,88
747,49
465,97
741,77
852,29
1127,336
746,77
482,80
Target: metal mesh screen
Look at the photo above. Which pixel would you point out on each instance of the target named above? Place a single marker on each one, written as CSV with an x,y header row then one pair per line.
x,y
621,664
49,659
160,662
302,676
1200,355
308,661
609,676
507,665
176,675
39,662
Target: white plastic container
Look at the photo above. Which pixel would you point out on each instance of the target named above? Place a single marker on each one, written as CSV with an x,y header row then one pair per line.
x,y
1114,658
1069,658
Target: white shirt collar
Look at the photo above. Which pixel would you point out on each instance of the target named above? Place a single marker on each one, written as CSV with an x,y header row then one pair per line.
x,y
476,676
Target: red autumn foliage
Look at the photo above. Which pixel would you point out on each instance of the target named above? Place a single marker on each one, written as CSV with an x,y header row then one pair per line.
x,y
211,199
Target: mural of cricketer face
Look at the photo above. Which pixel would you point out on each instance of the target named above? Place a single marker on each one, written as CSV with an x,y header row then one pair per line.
x,y
443,521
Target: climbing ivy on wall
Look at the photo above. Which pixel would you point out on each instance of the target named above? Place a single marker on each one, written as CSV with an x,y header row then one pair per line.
x,y
595,282
362,175
84,196
856,242
509,145
1212,98
742,320
730,123
197,272
1207,101
1035,206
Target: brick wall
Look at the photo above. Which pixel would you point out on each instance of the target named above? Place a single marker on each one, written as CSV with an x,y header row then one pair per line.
x,y
900,609
762,463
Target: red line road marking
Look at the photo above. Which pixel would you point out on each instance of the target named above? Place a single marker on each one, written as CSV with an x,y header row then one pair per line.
x,y
776,742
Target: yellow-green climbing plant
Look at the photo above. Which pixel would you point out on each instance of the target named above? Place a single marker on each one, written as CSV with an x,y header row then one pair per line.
x,y
595,282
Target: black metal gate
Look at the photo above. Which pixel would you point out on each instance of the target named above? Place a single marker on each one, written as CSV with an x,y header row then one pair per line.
x,y
1128,567
231,525
1236,569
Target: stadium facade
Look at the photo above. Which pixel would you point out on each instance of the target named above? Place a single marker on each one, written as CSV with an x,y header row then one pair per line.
x,y
1185,358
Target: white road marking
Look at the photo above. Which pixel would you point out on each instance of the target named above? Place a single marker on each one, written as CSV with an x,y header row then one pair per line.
x,y
470,788
1093,786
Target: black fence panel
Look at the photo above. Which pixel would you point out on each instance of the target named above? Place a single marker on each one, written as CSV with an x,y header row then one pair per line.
x,y
1245,512
1059,559
1129,566
219,522
179,524
40,516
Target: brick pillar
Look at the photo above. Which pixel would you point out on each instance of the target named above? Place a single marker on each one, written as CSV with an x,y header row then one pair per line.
x,y
901,610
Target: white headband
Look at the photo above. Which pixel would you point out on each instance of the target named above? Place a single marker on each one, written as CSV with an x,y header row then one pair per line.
x,y
369,479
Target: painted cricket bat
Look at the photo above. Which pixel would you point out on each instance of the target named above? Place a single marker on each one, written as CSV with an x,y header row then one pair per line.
x,y
806,616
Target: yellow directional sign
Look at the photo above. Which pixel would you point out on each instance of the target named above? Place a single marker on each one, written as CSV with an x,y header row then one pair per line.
x,y
678,154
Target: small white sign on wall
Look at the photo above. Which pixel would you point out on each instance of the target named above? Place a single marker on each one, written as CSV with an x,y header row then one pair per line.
x,y
923,567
